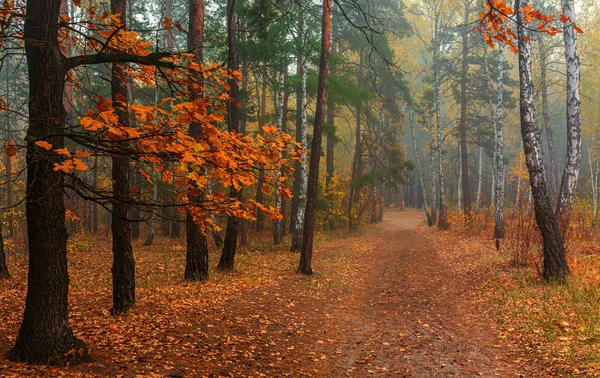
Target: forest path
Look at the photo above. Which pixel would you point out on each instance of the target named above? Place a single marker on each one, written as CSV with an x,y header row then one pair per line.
x,y
412,316
383,302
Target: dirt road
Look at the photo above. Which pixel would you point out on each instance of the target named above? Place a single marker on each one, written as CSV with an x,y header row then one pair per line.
x,y
383,302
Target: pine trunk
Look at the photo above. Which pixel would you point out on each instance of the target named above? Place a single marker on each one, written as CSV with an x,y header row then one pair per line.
x,y
196,256
305,265
45,336
226,262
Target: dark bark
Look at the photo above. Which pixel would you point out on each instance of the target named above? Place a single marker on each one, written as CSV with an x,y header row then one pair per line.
x,y
555,263
3,267
196,256
226,262
305,266
464,155
45,336
123,268
135,214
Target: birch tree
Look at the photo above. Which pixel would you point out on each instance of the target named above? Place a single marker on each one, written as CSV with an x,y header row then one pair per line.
x,y
297,237
277,224
499,151
554,259
419,171
568,184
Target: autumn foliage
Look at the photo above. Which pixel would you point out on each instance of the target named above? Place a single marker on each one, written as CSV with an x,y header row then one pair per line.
x,y
495,20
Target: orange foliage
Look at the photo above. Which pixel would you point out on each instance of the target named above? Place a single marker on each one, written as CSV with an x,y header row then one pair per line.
x,y
495,27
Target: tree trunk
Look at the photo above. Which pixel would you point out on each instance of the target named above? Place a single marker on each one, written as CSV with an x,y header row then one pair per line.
x,y
305,265
417,162
277,224
196,255
45,336
555,263
499,152
432,170
568,186
297,235
286,98
330,151
226,262
95,205
7,158
443,216
479,179
354,196
594,184
553,174
3,267
260,196
464,154
123,268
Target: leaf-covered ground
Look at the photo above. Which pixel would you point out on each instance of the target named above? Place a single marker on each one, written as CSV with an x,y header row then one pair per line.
x,y
387,301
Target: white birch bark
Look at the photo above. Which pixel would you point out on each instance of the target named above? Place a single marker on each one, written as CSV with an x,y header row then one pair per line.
x,y
554,259
572,165
499,151
418,163
277,224
297,236
432,169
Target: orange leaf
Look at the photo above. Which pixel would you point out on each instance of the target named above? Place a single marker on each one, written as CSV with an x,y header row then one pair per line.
x,y
45,145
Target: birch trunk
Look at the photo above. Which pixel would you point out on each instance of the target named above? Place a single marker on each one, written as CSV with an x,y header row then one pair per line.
x,y
568,184
419,171
297,236
499,151
277,225
554,259
432,171
479,179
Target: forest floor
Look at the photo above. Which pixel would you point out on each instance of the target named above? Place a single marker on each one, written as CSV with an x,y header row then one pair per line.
x,y
386,301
